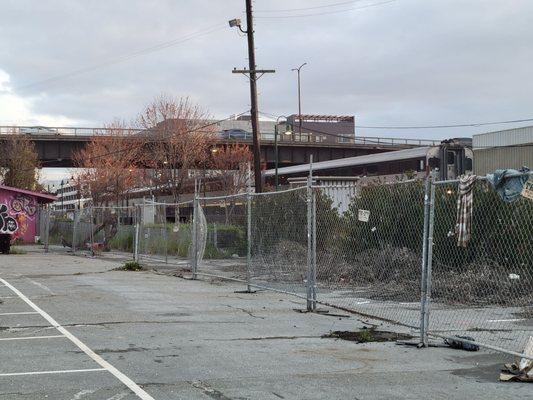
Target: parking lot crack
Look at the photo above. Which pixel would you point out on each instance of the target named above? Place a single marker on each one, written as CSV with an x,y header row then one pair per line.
x,y
245,311
209,391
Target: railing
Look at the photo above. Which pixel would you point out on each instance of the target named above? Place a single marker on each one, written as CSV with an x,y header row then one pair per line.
x,y
59,131
246,138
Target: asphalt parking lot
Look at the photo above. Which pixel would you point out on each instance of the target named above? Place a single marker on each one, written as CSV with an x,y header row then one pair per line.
x,y
73,328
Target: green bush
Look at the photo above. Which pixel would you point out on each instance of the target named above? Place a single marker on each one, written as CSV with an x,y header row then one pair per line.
x,y
123,239
132,266
230,239
501,232
396,218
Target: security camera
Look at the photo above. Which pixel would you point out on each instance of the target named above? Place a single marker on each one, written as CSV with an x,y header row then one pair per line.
x,y
234,22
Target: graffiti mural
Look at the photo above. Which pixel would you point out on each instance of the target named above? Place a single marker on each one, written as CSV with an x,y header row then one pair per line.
x,y
7,224
23,204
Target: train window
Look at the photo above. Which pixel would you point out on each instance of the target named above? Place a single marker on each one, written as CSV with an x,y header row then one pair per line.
x,y
450,157
468,164
433,162
372,169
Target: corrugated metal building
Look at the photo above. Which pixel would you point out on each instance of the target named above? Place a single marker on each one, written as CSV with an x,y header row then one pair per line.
x,y
510,148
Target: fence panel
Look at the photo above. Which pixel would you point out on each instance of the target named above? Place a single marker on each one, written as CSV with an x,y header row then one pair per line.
x,y
279,241
483,290
165,232
222,233
82,235
44,226
369,257
112,230
60,230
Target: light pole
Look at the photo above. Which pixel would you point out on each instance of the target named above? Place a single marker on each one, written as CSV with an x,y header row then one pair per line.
x,y
276,154
299,100
62,203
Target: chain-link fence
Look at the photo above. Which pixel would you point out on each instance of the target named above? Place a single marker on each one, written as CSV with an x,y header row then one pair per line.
x,y
89,231
60,229
279,245
385,250
44,226
164,232
223,237
482,288
368,258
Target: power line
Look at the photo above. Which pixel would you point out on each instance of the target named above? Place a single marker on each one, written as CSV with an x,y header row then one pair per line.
x,y
449,126
309,8
381,142
326,12
125,57
436,126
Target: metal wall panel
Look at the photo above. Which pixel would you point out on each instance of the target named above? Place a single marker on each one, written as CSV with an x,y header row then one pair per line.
x,y
504,138
488,160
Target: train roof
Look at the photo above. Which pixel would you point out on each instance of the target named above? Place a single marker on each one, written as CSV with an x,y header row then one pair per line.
x,y
407,154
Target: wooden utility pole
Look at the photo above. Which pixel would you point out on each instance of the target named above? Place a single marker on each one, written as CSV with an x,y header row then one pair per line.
x,y
253,97
252,73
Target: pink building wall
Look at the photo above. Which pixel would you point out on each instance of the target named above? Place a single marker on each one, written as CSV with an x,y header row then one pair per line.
x,y
18,215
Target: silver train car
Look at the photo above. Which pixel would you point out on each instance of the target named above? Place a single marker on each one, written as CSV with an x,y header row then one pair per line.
x,y
452,158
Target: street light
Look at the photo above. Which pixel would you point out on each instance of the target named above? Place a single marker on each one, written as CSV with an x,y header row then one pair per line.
x,y
62,200
299,100
276,155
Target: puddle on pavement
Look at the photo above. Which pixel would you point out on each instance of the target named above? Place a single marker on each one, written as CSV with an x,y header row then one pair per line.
x,y
367,336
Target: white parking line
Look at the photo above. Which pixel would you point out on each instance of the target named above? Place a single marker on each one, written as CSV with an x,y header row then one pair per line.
x,y
19,313
67,371
40,285
32,337
103,363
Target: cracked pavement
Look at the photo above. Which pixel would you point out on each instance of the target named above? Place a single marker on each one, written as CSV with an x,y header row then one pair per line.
x,y
183,339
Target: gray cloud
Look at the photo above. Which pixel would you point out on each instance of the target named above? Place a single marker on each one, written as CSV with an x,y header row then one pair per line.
x,y
407,62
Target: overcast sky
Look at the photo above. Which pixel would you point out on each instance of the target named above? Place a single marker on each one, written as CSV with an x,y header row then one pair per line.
x,y
404,62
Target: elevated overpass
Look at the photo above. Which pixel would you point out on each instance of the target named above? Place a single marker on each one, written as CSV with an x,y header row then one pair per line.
x,y
56,145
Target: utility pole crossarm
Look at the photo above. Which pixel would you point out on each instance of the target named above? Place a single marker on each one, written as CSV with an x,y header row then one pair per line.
x,y
249,72
257,71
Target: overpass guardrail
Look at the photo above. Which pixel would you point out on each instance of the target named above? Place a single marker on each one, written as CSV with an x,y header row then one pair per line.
x,y
41,131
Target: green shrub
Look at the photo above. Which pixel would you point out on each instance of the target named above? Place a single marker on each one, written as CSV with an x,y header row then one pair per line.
x,y
124,238
132,266
230,239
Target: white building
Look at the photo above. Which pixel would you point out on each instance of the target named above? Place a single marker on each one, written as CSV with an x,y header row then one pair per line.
x,y
510,148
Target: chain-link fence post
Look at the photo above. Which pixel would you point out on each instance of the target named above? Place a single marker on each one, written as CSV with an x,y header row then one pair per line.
x,y
91,213
195,223
47,230
429,262
137,232
248,238
75,227
308,201
164,232
313,250
423,282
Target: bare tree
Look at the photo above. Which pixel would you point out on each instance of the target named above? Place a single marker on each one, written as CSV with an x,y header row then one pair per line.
x,y
178,141
108,168
231,166
19,162
109,164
